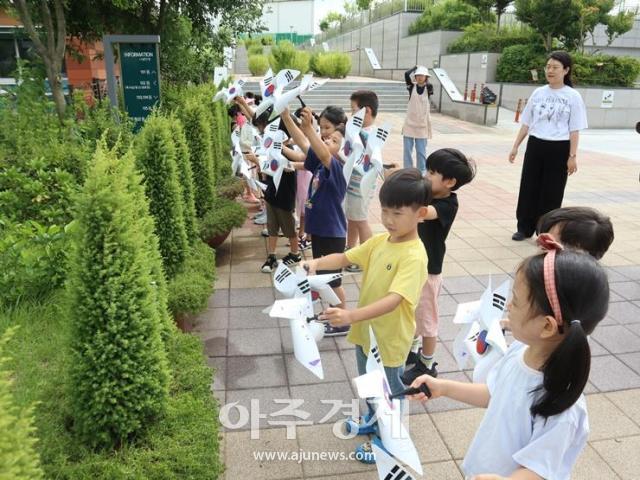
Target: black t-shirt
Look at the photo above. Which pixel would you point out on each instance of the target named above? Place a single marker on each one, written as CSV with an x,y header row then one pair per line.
x,y
433,233
285,197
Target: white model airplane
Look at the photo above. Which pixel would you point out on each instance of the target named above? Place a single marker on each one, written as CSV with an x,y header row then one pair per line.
x,y
230,93
240,166
353,147
369,165
393,433
271,87
387,466
275,162
283,100
481,339
299,284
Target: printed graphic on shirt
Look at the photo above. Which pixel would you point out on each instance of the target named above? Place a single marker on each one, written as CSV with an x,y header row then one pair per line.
x,y
552,109
313,188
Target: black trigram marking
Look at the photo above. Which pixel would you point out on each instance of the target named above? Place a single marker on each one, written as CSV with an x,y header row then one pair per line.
x,y
283,275
240,83
357,121
277,145
499,301
382,134
267,81
288,76
398,473
273,127
304,286
376,355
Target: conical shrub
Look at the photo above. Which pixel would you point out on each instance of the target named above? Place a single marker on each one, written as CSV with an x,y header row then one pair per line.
x,y
155,154
119,375
186,179
198,133
18,457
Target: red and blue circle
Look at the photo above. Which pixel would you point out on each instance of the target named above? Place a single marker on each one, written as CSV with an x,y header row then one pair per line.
x,y
269,90
481,343
347,148
366,163
232,90
274,165
267,142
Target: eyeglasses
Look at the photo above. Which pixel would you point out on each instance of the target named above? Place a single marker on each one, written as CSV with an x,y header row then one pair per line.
x,y
553,67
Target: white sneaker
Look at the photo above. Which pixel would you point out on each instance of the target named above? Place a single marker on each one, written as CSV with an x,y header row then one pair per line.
x,y
261,219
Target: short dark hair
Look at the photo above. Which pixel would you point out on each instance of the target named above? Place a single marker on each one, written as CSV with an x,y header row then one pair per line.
x,y
340,129
366,98
405,188
334,115
580,227
452,163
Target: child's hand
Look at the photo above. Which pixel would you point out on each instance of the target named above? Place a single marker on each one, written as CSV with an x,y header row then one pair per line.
x,y
306,118
338,317
310,266
505,324
434,385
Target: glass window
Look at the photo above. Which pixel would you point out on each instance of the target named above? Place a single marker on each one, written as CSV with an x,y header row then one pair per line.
x,y
7,57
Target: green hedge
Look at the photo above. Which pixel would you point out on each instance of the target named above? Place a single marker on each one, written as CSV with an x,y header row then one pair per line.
x,y
258,64
331,64
185,177
285,55
516,62
119,374
189,291
448,15
483,37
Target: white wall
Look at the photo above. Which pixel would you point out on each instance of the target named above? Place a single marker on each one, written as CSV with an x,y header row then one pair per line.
x,y
278,17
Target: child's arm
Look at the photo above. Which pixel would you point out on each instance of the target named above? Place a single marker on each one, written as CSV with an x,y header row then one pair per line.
x,y
320,149
329,262
340,317
244,106
407,76
293,155
476,394
294,131
520,474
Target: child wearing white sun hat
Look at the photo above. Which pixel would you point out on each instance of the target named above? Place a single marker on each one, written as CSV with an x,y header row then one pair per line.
x,y
417,124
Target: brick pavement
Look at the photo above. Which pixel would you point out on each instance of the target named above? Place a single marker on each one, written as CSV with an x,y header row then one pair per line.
x,y
253,357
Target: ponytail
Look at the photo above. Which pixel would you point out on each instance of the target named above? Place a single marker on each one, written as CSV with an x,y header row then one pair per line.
x,y
565,373
568,286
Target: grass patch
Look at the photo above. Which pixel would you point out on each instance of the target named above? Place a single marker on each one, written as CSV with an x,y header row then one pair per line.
x,y
183,444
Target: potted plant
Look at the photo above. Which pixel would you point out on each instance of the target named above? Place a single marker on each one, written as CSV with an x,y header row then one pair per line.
x,y
223,216
230,187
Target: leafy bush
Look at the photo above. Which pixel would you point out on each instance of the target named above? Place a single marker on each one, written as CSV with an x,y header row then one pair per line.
x,y
605,70
285,55
483,37
191,288
198,133
155,154
32,260
448,15
258,64
182,444
267,40
222,217
255,50
516,62
186,179
331,64
229,187
119,374
18,457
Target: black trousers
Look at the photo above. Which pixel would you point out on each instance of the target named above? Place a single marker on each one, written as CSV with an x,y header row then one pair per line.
x,y
544,176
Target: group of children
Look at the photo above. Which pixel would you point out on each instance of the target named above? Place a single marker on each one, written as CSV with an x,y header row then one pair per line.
x,y
536,421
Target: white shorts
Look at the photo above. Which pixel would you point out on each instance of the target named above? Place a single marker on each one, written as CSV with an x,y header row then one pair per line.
x,y
356,208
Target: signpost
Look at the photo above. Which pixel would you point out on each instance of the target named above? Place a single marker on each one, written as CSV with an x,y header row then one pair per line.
x,y
140,73
373,60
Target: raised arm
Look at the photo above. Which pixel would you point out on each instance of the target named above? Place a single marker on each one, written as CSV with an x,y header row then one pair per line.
x,y
294,131
407,76
293,155
320,149
247,111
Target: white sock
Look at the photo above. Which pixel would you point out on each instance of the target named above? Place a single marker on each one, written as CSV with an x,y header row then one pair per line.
x,y
427,360
416,344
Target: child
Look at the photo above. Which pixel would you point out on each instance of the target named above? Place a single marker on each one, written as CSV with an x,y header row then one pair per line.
x,y
582,228
356,207
536,422
417,122
324,216
394,265
448,170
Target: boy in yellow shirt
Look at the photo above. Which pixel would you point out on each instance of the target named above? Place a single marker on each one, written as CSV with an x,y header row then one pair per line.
x,y
394,266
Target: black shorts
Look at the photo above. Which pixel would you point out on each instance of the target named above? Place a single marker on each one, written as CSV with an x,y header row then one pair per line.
x,y
322,246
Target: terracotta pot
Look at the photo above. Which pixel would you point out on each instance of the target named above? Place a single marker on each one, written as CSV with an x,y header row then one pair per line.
x,y
215,242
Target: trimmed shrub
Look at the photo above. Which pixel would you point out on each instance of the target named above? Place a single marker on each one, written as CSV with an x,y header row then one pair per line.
x,y
189,291
255,50
483,37
198,133
186,179
448,15
223,216
119,376
156,159
516,62
258,64
605,70
331,64
285,55
18,457
229,187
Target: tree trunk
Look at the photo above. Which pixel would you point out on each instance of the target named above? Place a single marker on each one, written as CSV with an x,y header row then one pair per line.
x,y
498,22
57,91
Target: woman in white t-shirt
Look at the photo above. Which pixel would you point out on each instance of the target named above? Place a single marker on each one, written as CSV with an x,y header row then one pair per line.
x,y
553,118
536,423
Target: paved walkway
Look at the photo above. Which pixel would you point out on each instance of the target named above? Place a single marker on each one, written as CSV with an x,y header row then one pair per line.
x,y
253,356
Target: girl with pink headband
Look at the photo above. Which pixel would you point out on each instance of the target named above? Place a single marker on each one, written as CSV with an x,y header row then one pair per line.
x,y
536,424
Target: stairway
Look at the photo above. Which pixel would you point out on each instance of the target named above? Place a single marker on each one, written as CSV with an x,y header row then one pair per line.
x,y
241,62
392,96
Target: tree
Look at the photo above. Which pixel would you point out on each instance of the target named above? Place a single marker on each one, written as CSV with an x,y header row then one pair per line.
x,y
501,7
363,4
485,6
331,20
619,24
550,18
48,31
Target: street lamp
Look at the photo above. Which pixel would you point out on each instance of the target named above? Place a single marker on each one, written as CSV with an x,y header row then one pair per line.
x,y
291,33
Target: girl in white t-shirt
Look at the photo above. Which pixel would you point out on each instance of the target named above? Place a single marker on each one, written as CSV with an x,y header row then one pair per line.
x,y
553,118
536,422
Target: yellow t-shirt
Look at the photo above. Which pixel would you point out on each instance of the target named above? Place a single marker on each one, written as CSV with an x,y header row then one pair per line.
x,y
389,267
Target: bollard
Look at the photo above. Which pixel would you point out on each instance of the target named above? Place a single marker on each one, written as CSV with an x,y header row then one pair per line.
x,y
517,119
473,93
481,99
465,91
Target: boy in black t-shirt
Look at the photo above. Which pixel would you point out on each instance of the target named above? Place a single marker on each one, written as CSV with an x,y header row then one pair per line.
x,y
448,170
